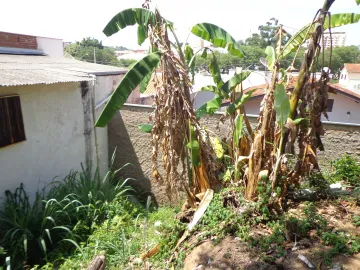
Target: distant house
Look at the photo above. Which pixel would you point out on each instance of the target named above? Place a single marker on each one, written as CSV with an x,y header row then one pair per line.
x,y
343,107
350,77
48,107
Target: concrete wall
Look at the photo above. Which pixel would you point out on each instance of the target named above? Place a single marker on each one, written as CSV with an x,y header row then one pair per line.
x,y
51,46
134,146
55,143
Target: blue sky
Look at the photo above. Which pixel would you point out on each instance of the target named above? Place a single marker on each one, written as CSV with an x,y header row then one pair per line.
x,y
73,20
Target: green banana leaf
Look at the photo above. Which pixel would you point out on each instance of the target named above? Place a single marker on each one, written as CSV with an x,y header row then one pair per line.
x,y
218,36
270,57
214,89
128,17
209,108
190,60
147,128
304,34
281,105
235,81
215,72
238,132
129,82
239,101
357,2
194,147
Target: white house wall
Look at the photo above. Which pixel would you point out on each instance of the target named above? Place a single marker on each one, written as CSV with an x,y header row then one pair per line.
x,y
104,86
55,143
343,105
51,46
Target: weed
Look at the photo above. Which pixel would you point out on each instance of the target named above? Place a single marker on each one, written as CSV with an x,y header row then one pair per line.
x,y
347,169
356,221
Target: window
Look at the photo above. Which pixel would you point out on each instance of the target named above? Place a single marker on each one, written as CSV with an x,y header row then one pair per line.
x,y
345,77
11,121
330,104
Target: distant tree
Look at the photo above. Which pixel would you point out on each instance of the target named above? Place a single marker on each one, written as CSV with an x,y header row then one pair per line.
x,y
120,48
340,56
90,42
89,48
267,36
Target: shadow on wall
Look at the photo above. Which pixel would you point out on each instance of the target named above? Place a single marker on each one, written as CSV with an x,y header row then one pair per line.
x,y
123,138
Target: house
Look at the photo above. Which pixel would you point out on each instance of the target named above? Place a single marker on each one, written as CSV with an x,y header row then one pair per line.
x,y
343,107
350,77
48,107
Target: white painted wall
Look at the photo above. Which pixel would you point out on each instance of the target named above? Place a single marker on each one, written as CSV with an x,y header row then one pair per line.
x,y
104,86
341,106
54,127
51,46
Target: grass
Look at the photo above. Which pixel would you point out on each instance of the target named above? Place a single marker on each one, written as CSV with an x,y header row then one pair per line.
x,y
122,237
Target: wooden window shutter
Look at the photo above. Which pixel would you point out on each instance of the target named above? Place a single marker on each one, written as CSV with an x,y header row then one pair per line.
x,y
11,121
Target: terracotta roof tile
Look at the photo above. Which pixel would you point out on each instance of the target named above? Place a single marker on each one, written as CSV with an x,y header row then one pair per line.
x,y
344,91
352,68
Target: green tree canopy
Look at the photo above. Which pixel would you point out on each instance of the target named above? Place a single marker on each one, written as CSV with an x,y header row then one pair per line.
x,y
267,36
89,48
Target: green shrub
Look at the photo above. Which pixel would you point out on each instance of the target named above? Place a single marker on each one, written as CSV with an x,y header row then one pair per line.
x,y
347,169
29,231
67,215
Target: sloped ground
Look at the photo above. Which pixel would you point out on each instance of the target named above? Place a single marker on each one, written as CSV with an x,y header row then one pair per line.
x,y
233,253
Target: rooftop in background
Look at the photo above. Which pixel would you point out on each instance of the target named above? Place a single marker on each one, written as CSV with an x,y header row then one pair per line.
x,y
30,69
352,68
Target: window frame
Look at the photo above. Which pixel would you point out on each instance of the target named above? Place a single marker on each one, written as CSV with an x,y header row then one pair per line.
x,y
14,121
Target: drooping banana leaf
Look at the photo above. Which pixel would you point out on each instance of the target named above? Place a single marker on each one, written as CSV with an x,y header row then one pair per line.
x,y
281,105
304,33
214,89
190,60
129,17
235,81
215,72
128,83
209,108
218,36
270,57
238,132
194,147
239,101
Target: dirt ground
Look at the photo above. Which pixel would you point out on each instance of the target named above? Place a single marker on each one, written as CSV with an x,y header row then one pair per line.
x,y
233,254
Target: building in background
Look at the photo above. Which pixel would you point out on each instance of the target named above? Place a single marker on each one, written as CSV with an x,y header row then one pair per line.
x,y
350,77
336,39
48,108
26,44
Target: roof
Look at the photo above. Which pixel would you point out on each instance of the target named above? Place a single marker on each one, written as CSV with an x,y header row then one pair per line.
x,y
31,70
260,90
352,68
344,91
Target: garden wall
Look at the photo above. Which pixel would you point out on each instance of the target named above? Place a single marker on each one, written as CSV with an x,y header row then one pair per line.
x,y
134,146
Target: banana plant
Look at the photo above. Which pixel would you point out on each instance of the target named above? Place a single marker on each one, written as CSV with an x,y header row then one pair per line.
x,y
140,73
332,21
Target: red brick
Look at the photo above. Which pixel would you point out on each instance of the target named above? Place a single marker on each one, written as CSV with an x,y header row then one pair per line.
x,y
17,41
